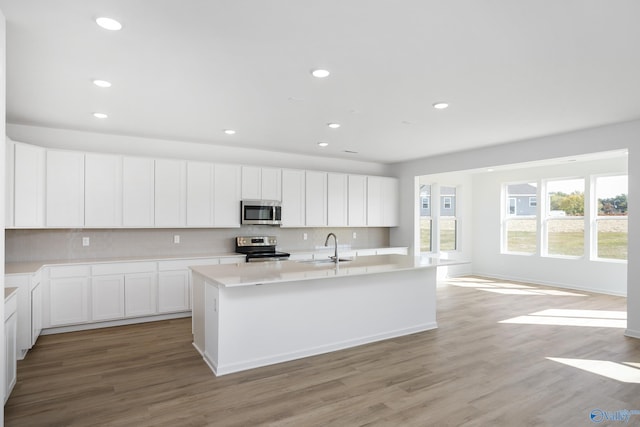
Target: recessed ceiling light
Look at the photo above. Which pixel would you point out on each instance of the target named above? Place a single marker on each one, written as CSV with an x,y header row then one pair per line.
x,y
440,105
100,115
490,170
230,131
108,23
333,125
321,74
102,83
323,144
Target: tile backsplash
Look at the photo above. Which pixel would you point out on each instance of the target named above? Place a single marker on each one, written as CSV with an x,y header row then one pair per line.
x,y
66,244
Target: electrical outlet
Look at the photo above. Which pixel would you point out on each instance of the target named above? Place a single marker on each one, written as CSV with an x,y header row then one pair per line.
x,y
176,238
85,241
304,236
355,236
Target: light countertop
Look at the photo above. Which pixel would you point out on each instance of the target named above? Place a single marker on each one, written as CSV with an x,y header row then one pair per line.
x,y
261,273
33,266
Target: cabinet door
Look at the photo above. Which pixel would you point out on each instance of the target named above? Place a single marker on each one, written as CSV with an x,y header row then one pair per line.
x,y
227,196
374,201
23,301
170,193
251,182
357,206
391,202
140,294
28,186
138,188
36,313
199,194
107,296
102,190
69,302
337,200
65,189
11,367
316,199
271,184
173,291
293,198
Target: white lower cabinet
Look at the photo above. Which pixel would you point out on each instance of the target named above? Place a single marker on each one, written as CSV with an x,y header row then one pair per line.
x,y
36,312
10,344
121,290
173,291
68,299
107,297
140,294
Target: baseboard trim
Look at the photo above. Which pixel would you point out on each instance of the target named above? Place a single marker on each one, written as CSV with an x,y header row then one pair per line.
x,y
632,334
111,323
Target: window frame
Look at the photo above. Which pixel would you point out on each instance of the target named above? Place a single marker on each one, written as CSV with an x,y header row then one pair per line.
x,y
597,218
509,217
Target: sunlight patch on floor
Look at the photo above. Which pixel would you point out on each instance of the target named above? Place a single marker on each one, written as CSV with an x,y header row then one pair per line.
x,y
506,288
569,317
626,372
533,291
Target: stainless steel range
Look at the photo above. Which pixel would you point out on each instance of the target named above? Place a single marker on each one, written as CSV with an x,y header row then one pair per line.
x,y
260,248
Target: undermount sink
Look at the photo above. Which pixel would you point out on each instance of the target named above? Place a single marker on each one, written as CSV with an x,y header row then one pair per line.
x,y
325,261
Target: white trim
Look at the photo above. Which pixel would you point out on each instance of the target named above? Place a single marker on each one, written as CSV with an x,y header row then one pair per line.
x,y
121,322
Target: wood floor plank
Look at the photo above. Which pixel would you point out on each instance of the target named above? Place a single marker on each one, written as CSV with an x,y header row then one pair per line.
x,y
474,370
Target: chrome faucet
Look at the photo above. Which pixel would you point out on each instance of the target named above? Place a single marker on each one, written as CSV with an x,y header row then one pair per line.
x,y
326,243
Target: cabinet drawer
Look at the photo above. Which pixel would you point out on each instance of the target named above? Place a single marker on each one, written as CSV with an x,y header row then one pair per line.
x,y
70,271
123,268
183,264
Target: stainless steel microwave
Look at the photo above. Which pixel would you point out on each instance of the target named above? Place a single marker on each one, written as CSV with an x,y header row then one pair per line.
x,y
261,212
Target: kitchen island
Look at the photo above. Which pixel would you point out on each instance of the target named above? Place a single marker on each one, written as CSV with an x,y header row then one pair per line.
x,y
255,314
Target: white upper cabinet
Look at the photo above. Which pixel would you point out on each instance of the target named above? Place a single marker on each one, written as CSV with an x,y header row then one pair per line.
x,y
170,193
357,205
65,189
102,190
337,200
316,199
227,195
391,204
375,201
29,184
382,201
293,200
138,192
200,194
261,183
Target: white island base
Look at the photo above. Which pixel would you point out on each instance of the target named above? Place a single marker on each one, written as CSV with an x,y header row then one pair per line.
x,y
239,327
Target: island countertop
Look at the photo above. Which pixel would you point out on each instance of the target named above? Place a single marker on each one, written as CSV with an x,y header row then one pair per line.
x,y
262,273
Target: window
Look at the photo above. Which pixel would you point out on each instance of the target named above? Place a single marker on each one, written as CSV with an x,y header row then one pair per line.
x,y
425,218
533,202
448,223
611,230
520,227
446,202
564,218
425,203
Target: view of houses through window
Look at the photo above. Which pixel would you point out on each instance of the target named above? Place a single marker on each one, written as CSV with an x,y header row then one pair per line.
x,y
563,214
444,214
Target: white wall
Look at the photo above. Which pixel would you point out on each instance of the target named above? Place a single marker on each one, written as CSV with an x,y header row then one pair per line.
x,y
149,147
605,138
598,276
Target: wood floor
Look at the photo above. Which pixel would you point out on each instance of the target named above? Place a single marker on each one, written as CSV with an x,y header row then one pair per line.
x,y
472,371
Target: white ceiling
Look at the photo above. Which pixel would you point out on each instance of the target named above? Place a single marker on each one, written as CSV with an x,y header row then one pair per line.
x,y
186,70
